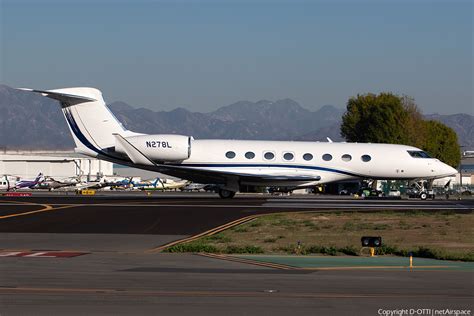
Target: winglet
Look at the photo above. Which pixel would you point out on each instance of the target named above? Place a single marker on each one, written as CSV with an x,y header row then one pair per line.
x,y
132,152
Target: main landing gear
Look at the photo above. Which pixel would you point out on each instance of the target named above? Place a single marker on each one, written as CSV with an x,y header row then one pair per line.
x,y
226,194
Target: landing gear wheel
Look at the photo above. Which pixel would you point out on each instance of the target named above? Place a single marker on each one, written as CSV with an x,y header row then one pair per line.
x,y
226,194
423,196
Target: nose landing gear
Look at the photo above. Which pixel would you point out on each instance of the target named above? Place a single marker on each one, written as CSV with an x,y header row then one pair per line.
x,y
420,191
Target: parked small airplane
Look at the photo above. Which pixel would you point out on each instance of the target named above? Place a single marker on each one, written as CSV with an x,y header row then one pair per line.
x,y
169,184
118,182
235,163
193,187
7,182
4,185
159,184
98,183
29,184
50,183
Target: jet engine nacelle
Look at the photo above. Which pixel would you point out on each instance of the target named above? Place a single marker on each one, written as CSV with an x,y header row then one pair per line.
x,y
160,147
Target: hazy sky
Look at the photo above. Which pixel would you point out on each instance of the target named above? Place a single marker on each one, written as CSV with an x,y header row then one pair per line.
x,y
205,54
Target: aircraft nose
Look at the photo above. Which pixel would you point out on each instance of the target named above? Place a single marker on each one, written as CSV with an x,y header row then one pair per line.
x,y
447,170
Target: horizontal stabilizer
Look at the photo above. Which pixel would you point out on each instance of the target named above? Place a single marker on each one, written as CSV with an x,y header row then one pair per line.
x,y
132,152
64,98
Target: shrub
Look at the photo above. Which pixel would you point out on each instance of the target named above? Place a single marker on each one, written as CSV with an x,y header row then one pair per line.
x,y
192,247
255,224
244,249
349,250
241,229
332,251
219,238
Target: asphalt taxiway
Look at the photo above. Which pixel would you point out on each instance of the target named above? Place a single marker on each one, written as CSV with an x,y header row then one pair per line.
x,y
117,269
175,214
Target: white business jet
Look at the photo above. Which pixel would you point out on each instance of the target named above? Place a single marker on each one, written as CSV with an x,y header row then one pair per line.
x,y
233,163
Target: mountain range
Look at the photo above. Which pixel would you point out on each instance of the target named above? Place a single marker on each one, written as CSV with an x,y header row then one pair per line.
x,y
30,121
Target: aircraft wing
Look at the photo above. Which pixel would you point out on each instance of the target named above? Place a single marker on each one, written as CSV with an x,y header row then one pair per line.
x,y
217,177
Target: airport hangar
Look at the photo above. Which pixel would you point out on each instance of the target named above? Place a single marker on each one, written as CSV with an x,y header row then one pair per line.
x,y
27,164
56,164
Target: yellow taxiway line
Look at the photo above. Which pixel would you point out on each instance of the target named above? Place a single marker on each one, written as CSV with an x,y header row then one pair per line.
x,y
46,208
209,232
249,261
218,229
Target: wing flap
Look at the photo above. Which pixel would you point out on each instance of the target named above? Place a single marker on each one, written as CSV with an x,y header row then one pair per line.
x,y
183,169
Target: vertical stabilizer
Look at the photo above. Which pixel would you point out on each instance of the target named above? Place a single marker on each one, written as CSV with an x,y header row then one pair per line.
x,y
91,123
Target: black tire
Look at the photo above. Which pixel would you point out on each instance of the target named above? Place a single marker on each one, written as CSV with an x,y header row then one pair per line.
x,y
226,194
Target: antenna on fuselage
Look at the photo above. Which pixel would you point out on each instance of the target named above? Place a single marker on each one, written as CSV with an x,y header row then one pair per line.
x,y
329,140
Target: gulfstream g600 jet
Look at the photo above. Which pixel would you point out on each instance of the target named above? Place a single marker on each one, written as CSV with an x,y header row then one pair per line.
x,y
233,163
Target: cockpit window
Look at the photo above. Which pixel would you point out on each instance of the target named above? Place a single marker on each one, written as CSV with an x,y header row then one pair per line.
x,y
419,154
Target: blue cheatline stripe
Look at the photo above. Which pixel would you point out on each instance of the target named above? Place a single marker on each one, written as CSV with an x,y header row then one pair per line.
x,y
85,141
76,130
268,166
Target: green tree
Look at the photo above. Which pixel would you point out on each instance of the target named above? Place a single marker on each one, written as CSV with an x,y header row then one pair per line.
x,y
388,118
414,127
374,118
442,143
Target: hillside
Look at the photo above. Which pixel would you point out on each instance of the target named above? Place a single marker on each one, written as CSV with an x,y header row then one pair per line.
x,y
30,121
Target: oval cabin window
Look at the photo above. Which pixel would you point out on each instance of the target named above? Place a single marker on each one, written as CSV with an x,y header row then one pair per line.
x,y
366,158
346,157
288,156
269,155
249,155
308,157
230,154
327,157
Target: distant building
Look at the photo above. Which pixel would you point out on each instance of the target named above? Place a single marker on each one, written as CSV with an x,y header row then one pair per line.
x,y
466,169
55,164
125,171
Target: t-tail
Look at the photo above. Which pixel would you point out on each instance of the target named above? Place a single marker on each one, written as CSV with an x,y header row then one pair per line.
x,y
39,178
91,123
